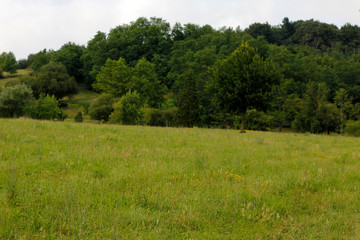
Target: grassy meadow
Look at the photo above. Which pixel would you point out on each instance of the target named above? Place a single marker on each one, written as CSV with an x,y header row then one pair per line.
x,y
89,181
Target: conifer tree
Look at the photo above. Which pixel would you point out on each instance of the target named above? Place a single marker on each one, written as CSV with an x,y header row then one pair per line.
x,y
188,106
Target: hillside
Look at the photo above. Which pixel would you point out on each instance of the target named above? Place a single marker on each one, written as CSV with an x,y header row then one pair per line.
x,y
89,181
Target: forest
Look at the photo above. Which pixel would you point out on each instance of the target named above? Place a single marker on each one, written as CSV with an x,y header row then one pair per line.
x,y
300,75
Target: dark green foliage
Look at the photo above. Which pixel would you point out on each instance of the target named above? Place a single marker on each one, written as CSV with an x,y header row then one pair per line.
x,y
188,112
79,117
352,128
343,102
46,108
315,34
39,59
53,79
69,55
259,29
23,64
102,107
303,50
317,115
8,62
1,73
127,109
14,100
94,57
258,120
160,118
243,81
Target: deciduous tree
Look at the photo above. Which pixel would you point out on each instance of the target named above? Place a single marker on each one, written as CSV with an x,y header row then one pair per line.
x,y
243,81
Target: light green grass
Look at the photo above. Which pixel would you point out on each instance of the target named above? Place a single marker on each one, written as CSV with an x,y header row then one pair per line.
x,y
89,181
14,77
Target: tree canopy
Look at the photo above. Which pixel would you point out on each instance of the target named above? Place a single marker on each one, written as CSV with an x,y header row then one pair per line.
x,y
243,81
53,79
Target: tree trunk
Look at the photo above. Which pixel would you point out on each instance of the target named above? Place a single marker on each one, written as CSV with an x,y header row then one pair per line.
x,y
242,123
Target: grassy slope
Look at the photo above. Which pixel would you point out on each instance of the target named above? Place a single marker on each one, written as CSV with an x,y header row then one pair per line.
x,y
84,181
14,77
75,104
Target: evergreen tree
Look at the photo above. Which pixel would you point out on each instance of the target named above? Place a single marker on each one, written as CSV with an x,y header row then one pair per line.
x,y
188,106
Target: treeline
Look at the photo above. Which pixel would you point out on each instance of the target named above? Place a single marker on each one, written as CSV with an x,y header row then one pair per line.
x,y
172,75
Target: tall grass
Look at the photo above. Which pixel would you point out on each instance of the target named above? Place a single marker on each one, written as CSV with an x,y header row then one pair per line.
x,y
88,181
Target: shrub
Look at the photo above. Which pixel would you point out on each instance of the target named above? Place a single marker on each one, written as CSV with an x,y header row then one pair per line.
x,y
258,120
161,118
53,79
352,128
79,117
1,73
86,108
102,107
47,108
127,110
14,100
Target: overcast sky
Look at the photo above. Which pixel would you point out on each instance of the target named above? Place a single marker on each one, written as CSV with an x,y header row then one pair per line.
x,y
28,26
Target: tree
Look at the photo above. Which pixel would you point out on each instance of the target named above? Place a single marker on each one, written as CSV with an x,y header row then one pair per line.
x,y
8,62
46,108
69,55
94,57
243,81
317,114
343,101
53,79
188,102
14,100
127,110
102,107
114,78
39,59
117,78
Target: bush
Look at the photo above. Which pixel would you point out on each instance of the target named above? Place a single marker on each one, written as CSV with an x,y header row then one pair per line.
x,y
352,128
1,73
102,107
258,120
161,118
86,108
46,108
127,110
79,117
14,100
53,79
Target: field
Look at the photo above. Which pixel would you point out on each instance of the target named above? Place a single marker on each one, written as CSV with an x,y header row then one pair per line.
x,y
91,181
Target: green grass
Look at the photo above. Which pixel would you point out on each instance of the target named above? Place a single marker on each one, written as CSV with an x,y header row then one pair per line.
x,y
90,181
76,103
14,77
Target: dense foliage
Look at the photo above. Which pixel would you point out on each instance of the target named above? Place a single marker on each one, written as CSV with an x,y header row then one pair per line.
x,y
8,62
47,108
53,79
127,109
304,60
14,100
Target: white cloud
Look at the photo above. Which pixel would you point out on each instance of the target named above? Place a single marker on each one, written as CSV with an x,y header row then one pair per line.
x,y
28,26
